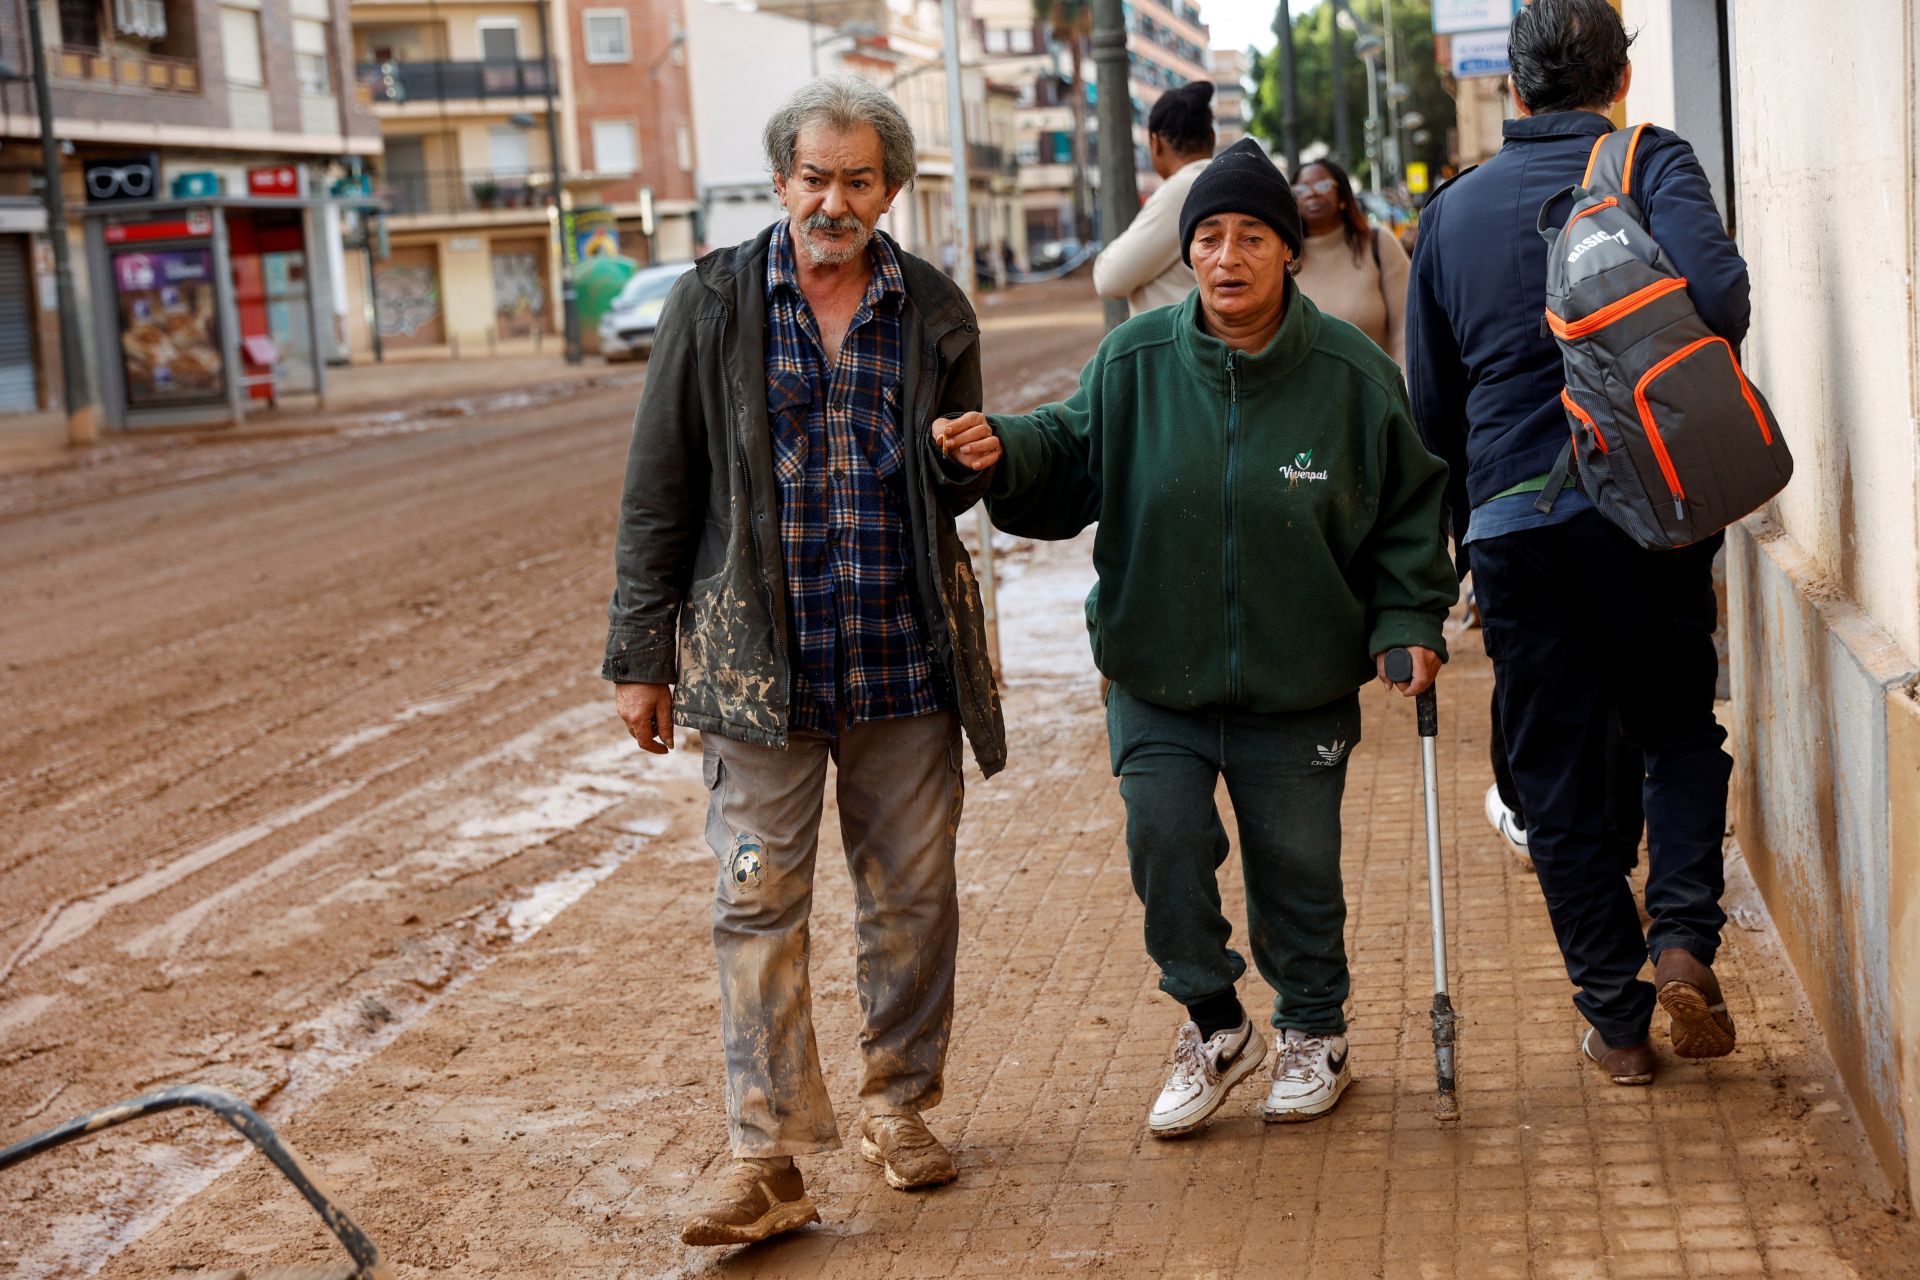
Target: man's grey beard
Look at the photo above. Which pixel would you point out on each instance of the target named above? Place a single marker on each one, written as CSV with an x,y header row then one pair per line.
x,y
831,257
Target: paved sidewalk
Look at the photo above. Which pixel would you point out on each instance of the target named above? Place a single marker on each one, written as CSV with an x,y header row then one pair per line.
x,y
547,1118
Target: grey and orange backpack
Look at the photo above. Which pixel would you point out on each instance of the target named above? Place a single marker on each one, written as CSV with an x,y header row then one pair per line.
x,y
1669,439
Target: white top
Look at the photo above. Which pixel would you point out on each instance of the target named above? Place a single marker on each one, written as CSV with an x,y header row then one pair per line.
x,y
1143,263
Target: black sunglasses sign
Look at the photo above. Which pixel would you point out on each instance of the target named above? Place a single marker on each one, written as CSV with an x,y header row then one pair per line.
x,y
123,178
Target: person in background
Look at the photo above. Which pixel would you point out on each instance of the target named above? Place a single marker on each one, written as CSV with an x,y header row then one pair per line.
x,y
1144,263
1351,268
1269,528
1562,591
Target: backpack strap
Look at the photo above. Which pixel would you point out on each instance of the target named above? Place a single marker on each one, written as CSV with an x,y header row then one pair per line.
x,y
1556,480
1610,166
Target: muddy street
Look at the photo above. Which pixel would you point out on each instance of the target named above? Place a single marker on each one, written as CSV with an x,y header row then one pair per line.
x,y
310,789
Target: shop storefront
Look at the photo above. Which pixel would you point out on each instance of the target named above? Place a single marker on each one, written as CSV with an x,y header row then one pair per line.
x,y
206,305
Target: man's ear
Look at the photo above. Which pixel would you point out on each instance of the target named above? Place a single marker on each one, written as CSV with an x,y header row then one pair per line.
x,y
780,187
1518,105
1626,82
892,193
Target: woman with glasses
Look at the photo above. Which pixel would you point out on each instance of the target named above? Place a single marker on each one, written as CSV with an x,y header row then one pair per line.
x,y
1350,269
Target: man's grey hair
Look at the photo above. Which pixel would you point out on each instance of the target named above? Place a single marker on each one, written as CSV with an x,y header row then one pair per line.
x,y
843,103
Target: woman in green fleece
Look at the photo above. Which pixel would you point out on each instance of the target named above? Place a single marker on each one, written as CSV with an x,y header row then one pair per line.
x,y
1269,529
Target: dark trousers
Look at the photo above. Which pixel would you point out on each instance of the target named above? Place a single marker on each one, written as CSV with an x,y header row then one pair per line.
x,y
1626,774
1285,774
1580,624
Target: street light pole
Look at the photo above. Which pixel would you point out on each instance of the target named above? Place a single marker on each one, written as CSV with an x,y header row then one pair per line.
x,y
569,300
1119,184
1290,90
1342,139
1393,107
76,387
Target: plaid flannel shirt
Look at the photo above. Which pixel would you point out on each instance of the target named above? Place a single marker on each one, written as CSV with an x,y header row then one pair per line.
x,y
860,653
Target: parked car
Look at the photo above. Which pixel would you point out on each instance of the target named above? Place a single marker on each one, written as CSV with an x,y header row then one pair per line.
x,y
626,331
1051,253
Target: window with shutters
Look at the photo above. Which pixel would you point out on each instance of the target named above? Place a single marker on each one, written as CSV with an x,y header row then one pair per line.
x,y
311,57
615,149
240,38
607,35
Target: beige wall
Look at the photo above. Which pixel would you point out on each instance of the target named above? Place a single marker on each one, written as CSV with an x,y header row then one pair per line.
x,y
1824,587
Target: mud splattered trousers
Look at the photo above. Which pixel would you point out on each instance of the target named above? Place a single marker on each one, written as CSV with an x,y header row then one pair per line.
x,y
1285,774
899,790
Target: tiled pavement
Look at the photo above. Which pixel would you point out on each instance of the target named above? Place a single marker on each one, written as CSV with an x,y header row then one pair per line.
x,y
545,1119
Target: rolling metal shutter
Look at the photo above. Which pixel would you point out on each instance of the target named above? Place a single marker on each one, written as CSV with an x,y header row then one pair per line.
x,y
19,392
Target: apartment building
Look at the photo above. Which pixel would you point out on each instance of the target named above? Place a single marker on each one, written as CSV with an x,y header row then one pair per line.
x,y
1166,48
745,61
480,105
1230,101
223,120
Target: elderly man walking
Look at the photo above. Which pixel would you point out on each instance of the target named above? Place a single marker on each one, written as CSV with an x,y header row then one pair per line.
x,y
791,585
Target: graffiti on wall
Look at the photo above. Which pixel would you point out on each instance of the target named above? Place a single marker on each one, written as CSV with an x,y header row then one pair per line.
x,y
519,292
409,299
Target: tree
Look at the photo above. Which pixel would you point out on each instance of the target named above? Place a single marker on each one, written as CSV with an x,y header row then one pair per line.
x,y
1070,23
1313,62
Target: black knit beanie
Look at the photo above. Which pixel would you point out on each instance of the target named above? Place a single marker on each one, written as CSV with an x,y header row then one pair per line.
x,y
1241,180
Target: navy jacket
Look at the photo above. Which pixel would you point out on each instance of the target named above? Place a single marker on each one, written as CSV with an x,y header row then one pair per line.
x,y
1485,377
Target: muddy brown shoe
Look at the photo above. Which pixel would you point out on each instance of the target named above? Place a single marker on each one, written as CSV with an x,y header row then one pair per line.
x,y
1688,991
751,1203
906,1150
1630,1066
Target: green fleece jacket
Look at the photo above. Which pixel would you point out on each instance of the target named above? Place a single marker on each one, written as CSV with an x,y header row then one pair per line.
x,y
1268,521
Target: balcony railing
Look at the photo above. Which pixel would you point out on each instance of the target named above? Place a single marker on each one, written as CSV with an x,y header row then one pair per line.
x,y
104,68
461,191
446,81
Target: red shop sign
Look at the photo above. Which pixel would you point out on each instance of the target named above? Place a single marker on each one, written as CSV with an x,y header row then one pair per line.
x,y
197,223
275,180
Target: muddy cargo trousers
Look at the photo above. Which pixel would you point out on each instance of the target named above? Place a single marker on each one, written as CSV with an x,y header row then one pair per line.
x,y
899,791
1285,774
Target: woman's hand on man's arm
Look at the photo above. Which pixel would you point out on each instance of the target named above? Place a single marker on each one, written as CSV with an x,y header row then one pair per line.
x,y
968,440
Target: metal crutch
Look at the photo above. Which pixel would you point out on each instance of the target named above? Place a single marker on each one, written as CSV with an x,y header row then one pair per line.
x,y
1446,1103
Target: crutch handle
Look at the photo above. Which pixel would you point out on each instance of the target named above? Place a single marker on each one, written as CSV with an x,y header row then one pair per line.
x,y
1426,707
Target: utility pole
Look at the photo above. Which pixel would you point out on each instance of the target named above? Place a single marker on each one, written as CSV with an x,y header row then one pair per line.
x,y
1289,91
963,276
1392,139
1119,184
957,146
76,387
1342,131
569,300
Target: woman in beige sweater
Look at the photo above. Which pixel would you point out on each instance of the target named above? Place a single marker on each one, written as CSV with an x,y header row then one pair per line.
x,y
1350,268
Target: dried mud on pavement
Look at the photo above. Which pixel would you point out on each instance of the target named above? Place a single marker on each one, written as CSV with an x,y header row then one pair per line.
x,y
312,791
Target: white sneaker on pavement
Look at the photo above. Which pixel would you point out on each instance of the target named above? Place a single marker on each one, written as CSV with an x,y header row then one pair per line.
x,y
1309,1075
1507,826
1203,1072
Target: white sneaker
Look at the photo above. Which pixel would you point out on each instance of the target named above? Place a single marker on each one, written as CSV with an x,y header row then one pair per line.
x,y
1507,826
1203,1072
1309,1075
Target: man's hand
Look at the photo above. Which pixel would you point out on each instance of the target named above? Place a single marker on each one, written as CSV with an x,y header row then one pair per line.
x,y
648,712
1426,665
968,440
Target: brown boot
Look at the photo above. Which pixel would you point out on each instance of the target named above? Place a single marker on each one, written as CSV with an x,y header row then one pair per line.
x,y
1688,991
753,1201
1632,1065
906,1150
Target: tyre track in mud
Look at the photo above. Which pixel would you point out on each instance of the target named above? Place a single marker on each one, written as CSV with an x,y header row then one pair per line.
x,y
210,678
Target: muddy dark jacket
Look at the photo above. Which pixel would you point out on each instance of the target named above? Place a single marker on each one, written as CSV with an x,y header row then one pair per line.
x,y
700,593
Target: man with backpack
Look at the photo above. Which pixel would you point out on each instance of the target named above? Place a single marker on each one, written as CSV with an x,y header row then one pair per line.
x,y
1579,616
